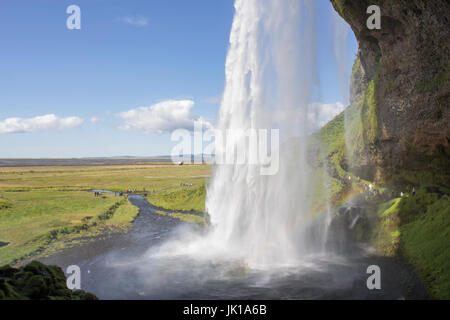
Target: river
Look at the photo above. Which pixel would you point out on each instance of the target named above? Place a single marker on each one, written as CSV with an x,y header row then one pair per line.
x,y
120,267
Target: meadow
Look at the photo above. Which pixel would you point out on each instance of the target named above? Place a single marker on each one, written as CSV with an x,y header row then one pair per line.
x,y
47,208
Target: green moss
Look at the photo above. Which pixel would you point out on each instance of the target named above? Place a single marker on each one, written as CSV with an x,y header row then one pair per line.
x,y
369,113
347,139
338,6
356,68
362,123
425,237
418,227
386,208
37,281
386,236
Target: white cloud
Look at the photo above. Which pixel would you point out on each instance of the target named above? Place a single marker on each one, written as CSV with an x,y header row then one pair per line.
x,y
94,120
138,21
321,113
161,117
39,123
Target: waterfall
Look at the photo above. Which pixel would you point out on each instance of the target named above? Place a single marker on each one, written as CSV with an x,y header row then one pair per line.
x,y
270,74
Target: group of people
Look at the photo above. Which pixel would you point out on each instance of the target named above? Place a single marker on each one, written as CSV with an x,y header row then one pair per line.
x,y
97,194
370,188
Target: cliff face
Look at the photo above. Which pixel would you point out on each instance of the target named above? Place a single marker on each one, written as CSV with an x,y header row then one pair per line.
x,y
406,66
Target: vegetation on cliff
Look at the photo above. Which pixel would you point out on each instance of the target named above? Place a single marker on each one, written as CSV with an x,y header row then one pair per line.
x,y
415,227
424,235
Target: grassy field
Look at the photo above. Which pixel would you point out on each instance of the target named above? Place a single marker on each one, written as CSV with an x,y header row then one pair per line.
x,y
43,209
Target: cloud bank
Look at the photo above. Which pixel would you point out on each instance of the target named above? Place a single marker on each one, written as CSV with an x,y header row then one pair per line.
x,y
39,123
162,117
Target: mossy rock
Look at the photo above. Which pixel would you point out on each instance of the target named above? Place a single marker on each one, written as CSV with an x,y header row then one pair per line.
x,y
37,281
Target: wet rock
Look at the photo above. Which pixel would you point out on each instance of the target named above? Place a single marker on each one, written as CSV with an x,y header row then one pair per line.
x,y
348,228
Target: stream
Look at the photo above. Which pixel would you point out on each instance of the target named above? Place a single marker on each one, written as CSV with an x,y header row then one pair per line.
x,y
120,267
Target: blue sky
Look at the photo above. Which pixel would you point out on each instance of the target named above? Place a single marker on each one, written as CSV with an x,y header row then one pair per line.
x,y
127,54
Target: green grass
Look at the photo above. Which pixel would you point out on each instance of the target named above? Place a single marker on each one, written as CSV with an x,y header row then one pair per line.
x,y
186,217
33,215
115,178
191,218
123,215
332,134
330,155
184,198
45,209
418,228
4,204
345,140
386,234
425,237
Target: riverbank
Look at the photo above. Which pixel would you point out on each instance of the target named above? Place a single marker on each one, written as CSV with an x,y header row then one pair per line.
x,y
48,208
131,265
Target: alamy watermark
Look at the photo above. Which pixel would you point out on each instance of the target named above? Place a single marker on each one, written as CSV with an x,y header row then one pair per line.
x,y
73,281
74,20
374,20
230,146
374,281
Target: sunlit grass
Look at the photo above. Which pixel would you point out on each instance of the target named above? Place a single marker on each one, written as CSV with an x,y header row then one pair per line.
x,y
46,208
